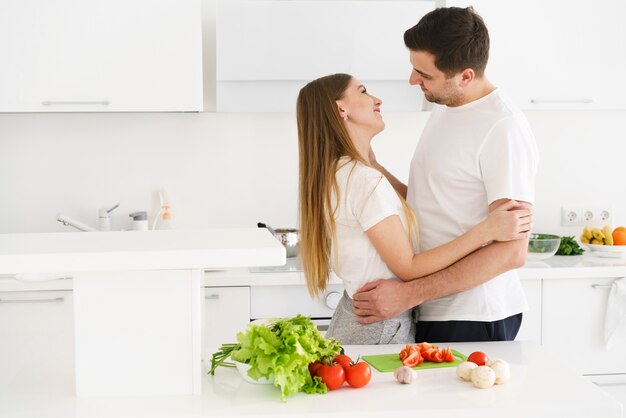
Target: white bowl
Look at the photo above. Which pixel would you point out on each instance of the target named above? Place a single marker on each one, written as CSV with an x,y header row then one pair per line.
x,y
607,251
607,248
243,371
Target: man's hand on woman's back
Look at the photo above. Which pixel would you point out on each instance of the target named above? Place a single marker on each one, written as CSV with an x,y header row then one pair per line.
x,y
382,299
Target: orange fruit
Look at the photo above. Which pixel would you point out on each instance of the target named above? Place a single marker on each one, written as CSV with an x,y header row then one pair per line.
x,y
619,236
620,228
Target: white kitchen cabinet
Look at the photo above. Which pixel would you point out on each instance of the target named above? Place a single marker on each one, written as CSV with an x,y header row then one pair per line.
x,y
126,324
36,340
289,43
614,385
573,325
559,54
531,322
226,312
100,56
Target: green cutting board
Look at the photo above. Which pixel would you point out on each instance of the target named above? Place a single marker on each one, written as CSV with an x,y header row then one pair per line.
x,y
390,362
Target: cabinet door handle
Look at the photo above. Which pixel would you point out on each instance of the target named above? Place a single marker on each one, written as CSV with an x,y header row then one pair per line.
x,y
601,286
54,300
213,296
75,102
583,100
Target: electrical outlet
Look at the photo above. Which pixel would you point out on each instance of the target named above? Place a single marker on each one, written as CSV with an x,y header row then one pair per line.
x,y
597,215
571,216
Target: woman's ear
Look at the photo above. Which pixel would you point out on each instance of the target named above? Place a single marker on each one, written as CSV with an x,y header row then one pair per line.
x,y
342,109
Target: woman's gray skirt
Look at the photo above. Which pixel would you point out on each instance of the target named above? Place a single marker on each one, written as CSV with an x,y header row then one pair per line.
x,y
345,328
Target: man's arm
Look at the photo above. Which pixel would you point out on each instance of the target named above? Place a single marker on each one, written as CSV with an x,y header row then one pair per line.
x,y
400,187
383,299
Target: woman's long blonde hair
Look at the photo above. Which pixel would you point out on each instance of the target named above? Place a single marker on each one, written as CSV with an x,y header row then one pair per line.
x,y
322,140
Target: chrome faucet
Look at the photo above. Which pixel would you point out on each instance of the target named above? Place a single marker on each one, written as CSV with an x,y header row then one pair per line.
x,y
104,221
76,224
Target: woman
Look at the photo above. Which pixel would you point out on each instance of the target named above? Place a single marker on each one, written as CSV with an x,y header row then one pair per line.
x,y
352,220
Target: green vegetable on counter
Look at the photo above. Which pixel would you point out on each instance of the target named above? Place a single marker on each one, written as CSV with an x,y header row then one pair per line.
x,y
569,246
219,358
283,349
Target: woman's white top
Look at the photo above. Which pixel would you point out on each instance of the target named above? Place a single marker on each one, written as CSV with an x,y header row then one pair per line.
x,y
365,198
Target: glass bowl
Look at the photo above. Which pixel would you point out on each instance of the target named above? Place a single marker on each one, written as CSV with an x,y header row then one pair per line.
x,y
542,246
243,371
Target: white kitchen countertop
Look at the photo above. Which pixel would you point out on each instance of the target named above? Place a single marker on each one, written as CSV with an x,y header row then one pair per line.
x,y
70,252
540,386
557,267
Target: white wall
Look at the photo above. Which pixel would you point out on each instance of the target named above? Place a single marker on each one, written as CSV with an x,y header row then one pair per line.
x,y
238,169
219,169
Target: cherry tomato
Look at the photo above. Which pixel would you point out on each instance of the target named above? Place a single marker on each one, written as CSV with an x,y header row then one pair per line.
x,y
358,374
478,357
314,367
332,375
343,360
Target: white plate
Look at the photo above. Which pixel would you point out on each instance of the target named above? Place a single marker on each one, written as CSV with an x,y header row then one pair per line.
x,y
607,248
243,371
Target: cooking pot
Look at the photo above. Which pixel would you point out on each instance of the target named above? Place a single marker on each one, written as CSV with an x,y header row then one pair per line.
x,y
289,237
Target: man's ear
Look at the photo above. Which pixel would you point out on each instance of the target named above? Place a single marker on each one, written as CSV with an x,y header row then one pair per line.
x,y
467,76
343,112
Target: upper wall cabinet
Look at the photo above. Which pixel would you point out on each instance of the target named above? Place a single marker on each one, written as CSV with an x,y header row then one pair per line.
x,y
100,56
267,50
557,54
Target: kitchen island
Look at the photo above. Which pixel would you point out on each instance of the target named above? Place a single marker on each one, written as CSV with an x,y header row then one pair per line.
x,y
138,304
540,386
567,317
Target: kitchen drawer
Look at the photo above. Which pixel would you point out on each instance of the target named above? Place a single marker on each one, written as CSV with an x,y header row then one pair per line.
x,y
37,341
573,325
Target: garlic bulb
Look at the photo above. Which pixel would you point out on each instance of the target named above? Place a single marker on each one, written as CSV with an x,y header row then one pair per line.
x,y
404,374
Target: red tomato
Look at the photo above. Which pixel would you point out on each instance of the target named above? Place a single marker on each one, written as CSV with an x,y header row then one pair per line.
x,y
425,346
478,357
437,357
447,355
429,353
314,367
343,360
359,374
332,375
413,359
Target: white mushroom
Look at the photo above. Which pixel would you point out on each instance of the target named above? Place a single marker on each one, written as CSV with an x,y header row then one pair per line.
x,y
464,370
492,360
404,374
483,377
502,371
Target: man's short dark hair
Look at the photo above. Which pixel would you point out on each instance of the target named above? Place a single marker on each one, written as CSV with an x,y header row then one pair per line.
x,y
457,37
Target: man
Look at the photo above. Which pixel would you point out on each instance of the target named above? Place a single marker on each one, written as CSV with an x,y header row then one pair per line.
x,y
476,152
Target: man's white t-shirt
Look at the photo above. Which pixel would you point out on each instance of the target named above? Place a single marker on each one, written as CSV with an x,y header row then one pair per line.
x,y
365,198
468,157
